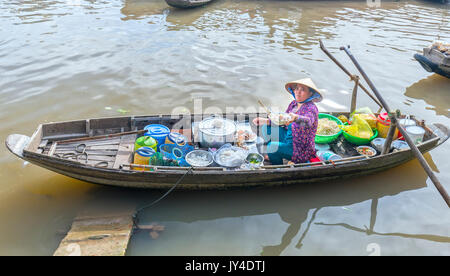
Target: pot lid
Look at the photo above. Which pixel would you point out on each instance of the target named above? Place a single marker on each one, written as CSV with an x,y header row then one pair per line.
x,y
145,151
156,129
146,141
217,126
176,137
384,117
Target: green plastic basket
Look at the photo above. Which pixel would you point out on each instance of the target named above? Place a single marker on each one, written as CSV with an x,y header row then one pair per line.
x,y
326,139
359,141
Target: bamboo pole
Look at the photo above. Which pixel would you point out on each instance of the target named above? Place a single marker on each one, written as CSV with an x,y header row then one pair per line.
x,y
411,144
348,73
354,94
389,137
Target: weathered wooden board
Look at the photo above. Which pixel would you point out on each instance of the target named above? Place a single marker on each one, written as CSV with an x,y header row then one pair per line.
x,y
104,234
125,152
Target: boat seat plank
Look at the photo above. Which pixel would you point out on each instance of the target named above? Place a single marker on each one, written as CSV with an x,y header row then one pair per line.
x,y
42,146
66,136
52,149
97,158
91,148
125,151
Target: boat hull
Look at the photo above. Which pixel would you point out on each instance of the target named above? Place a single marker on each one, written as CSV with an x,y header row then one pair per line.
x,y
186,4
205,180
50,140
433,66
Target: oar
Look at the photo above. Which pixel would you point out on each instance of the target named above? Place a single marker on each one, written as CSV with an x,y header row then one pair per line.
x,y
347,72
410,142
100,137
265,107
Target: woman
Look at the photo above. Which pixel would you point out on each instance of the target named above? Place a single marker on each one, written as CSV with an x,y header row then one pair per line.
x,y
296,138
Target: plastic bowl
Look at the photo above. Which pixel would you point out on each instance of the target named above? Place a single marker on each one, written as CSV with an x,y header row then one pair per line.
x,y
359,141
203,153
256,157
326,139
370,151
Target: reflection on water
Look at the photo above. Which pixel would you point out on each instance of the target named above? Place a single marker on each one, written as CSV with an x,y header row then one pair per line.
x,y
192,218
83,59
434,90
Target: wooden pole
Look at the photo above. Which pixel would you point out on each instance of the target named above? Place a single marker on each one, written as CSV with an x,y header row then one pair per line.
x,y
100,137
389,137
411,144
354,93
348,73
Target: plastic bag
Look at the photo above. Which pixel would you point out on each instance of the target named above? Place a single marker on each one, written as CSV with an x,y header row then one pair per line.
x,y
230,156
366,114
359,127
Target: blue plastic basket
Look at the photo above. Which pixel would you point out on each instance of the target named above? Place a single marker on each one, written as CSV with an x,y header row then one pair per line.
x,y
176,152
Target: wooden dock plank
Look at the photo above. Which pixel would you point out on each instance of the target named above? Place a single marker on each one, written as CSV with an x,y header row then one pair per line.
x,y
101,234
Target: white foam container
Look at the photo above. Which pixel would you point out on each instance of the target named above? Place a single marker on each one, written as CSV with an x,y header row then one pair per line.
x,y
416,133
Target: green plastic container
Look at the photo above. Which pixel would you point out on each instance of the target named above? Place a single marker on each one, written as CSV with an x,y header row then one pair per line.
x,y
326,139
360,141
145,141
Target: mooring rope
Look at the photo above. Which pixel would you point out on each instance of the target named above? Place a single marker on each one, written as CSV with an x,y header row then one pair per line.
x,y
159,199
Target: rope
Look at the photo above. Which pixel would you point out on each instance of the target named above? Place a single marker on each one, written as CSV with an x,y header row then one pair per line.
x,y
159,199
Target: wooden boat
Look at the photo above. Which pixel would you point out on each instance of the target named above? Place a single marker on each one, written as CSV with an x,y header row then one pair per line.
x,y
108,160
434,60
186,4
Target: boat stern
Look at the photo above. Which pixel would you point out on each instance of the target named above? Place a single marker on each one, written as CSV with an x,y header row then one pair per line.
x,y
440,131
16,143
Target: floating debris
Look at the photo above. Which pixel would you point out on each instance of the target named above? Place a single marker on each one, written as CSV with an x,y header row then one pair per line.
x,y
122,111
154,229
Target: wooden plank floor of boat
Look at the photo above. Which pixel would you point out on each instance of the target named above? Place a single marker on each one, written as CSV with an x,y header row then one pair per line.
x,y
113,151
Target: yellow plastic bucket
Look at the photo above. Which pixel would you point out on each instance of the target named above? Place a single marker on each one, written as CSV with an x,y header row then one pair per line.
x,y
383,124
142,157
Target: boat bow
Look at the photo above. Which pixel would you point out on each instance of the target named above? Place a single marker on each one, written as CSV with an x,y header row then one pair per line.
x,y
16,143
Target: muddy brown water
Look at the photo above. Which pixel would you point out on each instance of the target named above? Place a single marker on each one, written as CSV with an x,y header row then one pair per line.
x,y
64,60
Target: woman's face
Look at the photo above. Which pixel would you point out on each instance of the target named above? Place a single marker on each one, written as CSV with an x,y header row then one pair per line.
x,y
301,92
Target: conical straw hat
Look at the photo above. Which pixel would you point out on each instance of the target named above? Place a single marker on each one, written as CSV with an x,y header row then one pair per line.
x,y
306,82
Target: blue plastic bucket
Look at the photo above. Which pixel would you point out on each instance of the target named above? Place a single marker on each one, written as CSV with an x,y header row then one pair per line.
x,y
176,138
158,132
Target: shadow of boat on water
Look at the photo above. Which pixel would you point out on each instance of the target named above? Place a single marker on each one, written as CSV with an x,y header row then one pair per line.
x,y
292,203
435,91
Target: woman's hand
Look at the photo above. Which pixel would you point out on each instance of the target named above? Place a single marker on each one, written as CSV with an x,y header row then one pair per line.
x,y
294,117
259,121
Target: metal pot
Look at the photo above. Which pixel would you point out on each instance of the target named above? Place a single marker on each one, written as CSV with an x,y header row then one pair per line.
x,y
214,132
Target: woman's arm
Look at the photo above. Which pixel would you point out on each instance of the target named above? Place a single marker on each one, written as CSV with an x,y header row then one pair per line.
x,y
308,119
259,121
